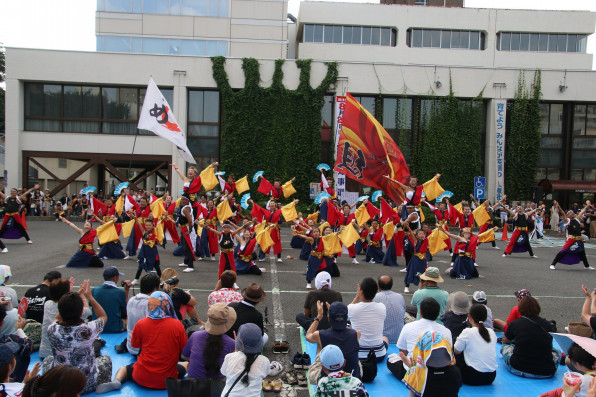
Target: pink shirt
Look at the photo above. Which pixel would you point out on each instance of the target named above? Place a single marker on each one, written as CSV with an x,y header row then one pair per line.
x,y
224,295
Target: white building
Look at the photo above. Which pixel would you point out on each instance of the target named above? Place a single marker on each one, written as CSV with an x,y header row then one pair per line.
x,y
80,110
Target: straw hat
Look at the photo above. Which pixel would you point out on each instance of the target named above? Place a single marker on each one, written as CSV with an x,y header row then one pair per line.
x,y
220,319
432,274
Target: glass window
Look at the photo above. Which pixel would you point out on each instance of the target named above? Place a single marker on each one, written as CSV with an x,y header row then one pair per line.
x,y
174,47
195,106
34,100
113,5
155,46
356,35
347,38
368,102
389,113
223,8
116,44
553,173
534,41
222,48
309,33
577,175
515,41
211,114
435,38
474,40
552,42
337,36
155,7
583,158
562,43
193,47
543,42
591,115
445,39
194,7
426,38
556,118
137,6
366,33
590,174
579,120
571,43
213,8
455,39
386,36
544,117
212,48
203,147
583,40
327,112
318,35
505,41
552,142
584,143
174,7
137,45
416,38
524,42
328,36
375,36
52,95
464,39
550,158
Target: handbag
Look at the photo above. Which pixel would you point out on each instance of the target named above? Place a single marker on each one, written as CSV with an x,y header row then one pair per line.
x,y
369,367
579,329
189,387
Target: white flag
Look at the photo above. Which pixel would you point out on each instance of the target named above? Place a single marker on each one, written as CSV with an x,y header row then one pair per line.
x,y
157,116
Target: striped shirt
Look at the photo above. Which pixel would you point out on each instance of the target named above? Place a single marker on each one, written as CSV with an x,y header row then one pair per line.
x,y
396,310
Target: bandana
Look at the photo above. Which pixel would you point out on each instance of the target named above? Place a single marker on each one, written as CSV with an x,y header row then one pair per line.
x,y
4,272
323,279
161,306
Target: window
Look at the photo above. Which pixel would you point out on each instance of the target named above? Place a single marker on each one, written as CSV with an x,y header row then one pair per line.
x,y
327,137
85,109
203,125
421,2
147,45
212,8
541,42
337,34
583,153
62,163
551,127
436,38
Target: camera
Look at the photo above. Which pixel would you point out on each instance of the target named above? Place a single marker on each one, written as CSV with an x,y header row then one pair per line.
x,y
171,281
123,283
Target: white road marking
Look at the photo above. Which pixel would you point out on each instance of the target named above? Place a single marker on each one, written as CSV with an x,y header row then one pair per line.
x,y
278,313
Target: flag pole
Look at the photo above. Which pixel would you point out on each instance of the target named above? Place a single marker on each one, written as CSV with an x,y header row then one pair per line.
x,y
131,154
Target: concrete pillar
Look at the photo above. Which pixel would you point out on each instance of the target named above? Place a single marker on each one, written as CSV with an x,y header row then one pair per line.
x,y
180,111
14,106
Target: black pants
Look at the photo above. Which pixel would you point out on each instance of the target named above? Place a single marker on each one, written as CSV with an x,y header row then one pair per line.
x,y
397,369
529,247
582,256
2,246
155,266
472,377
95,262
408,256
255,270
304,321
188,254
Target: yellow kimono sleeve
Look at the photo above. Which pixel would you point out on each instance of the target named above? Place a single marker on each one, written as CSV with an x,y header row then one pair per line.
x,y
331,244
288,189
208,178
289,212
127,228
224,211
107,233
242,185
362,216
487,236
264,239
481,215
157,208
349,235
436,242
388,229
432,189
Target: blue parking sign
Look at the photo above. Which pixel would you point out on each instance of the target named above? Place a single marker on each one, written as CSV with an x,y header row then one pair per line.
x,y
480,193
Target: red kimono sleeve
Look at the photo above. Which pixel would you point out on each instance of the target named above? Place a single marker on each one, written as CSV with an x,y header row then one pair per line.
x,y
195,186
257,212
265,186
372,210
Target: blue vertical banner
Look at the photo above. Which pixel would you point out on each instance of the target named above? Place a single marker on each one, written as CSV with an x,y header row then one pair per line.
x,y
500,112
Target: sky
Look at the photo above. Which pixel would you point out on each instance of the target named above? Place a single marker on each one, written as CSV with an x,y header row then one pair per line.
x,y
70,24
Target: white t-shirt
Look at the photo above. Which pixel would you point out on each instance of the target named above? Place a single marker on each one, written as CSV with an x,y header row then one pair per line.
x,y
410,332
369,319
13,389
233,366
478,353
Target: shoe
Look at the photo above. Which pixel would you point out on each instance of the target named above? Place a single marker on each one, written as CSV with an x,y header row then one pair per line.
x,y
372,261
448,270
354,261
263,270
182,265
290,378
297,360
267,386
404,270
276,350
475,264
406,290
104,258
534,256
552,267
127,257
301,379
589,268
135,281
504,255
289,257
261,260
275,368
308,286
213,258
496,248
29,242
5,250
279,260
306,361
276,385
188,270
288,391
200,258
236,287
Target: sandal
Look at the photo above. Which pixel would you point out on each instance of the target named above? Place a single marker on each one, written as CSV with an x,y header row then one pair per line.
x,y
267,386
277,348
276,385
285,347
301,379
291,378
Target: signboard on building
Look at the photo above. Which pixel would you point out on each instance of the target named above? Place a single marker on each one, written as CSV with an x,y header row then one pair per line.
x,y
315,189
500,110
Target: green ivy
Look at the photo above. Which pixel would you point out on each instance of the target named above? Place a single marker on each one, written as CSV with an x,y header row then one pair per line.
x,y
450,144
273,129
523,141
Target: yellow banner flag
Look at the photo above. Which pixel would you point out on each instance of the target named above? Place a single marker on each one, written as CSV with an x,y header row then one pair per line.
x,y
119,205
157,208
224,211
259,227
159,232
264,239
288,189
487,236
127,228
388,229
289,212
436,241
323,226
106,233
432,189
362,216
331,244
349,235
458,208
208,178
242,185
314,216
480,215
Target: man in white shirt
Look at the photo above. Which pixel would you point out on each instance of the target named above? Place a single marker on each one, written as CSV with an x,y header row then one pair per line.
x,y
368,318
429,311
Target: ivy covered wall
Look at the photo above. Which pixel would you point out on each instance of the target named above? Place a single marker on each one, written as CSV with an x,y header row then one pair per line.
x,y
273,129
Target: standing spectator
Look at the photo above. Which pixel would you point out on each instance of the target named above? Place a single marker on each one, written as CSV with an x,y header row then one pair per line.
x,y
554,218
368,318
65,202
429,289
136,309
480,297
246,311
113,300
37,296
396,308
72,339
456,319
224,291
160,337
337,382
323,293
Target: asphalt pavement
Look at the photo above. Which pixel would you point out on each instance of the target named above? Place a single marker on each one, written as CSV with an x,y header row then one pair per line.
x,y
559,291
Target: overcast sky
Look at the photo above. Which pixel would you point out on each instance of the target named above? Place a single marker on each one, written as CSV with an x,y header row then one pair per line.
x,y
70,24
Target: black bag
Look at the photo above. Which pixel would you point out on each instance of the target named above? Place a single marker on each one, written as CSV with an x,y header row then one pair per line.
x,y
369,367
188,387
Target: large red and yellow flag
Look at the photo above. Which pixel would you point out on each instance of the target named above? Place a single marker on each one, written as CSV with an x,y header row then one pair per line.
x,y
366,152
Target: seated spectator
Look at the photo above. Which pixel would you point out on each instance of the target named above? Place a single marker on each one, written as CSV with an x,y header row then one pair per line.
x,y
429,289
589,308
368,318
136,309
206,350
514,314
429,311
480,297
338,334
58,288
63,381
456,319
160,337
7,366
71,339
184,302
37,296
434,374
113,300
246,311
396,308
528,346
323,293
336,381
23,354
225,291
245,369
5,275
475,350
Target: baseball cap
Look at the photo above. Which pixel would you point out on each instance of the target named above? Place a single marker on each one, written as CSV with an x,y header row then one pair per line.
x,y
479,296
111,272
522,293
338,315
332,358
7,350
249,339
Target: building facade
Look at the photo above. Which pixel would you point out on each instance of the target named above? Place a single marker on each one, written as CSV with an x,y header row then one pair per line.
x,y
394,58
